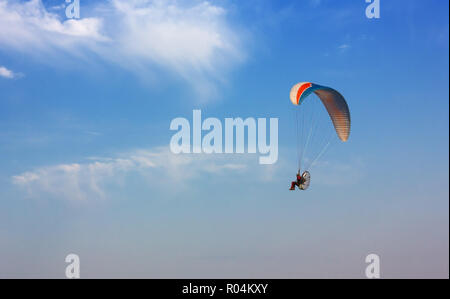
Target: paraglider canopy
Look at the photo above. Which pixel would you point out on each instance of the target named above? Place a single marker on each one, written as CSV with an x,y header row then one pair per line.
x,y
333,101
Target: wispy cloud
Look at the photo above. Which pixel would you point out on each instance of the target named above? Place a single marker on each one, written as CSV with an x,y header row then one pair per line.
x,y
29,27
158,166
161,170
344,47
6,73
191,39
71,181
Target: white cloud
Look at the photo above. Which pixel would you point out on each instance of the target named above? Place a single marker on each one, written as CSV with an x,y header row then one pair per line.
x,y
5,73
344,47
82,181
192,39
58,7
28,27
160,170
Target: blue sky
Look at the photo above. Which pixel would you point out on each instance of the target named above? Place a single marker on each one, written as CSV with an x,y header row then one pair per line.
x,y
85,108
